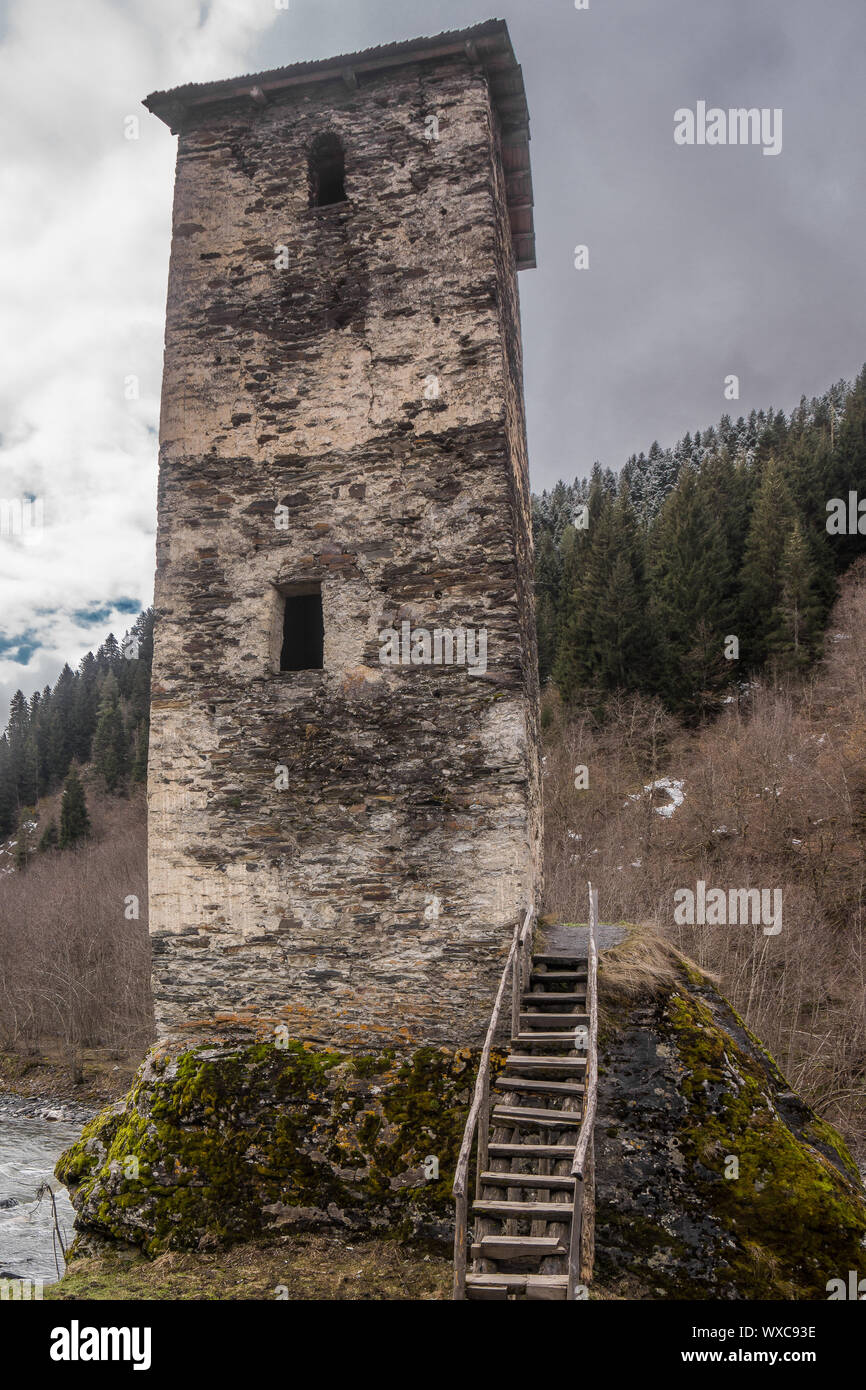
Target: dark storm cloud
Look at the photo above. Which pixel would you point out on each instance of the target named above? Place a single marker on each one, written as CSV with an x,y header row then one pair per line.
x,y
703,261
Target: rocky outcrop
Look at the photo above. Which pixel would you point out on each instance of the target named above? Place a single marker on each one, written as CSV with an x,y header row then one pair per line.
x,y
714,1179
214,1145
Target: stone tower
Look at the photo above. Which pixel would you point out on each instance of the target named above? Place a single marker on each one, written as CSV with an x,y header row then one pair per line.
x,y
344,811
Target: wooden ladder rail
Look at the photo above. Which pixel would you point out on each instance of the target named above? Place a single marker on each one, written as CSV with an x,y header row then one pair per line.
x,y
584,1151
517,967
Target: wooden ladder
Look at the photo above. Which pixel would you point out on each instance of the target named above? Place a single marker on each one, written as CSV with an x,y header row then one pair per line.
x,y
534,1153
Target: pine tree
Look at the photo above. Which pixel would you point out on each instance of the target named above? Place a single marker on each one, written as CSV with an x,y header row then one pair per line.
x,y
74,820
796,635
8,798
85,708
22,843
690,593
109,741
548,578
139,763
20,750
50,837
846,470
109,656
585,554
63,732
606,640
761,575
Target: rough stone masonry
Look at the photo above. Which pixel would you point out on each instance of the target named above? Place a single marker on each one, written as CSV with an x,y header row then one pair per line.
x,y
341,849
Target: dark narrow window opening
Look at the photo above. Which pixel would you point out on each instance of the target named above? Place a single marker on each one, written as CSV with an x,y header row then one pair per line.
x,y
303,633
327,172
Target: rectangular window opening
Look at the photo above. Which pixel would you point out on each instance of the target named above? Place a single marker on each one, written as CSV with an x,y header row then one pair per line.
x,y
303,632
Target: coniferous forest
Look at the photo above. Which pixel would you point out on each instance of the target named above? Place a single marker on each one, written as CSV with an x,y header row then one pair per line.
x,y
642,579
98,715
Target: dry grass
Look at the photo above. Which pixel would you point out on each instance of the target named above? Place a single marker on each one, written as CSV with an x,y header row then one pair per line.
x,y
645,965
294,1268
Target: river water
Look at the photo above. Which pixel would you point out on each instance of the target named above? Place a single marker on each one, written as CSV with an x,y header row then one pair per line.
x,y
30,1145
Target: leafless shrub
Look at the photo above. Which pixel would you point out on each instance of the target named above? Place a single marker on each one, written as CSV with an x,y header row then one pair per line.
x,y
774,797
73,965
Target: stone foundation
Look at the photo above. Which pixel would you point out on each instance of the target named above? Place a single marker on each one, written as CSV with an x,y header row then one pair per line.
x,y
231,1143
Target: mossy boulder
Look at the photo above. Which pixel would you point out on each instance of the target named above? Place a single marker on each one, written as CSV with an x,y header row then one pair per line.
x,y
714,1179
219,1144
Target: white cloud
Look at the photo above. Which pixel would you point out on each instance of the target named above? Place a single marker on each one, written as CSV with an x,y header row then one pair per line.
x,y
83,263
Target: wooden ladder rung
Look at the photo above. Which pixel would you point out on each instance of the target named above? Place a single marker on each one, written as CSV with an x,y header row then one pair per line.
x,y
525,1117
554,1151
565,1182
517,1248
527,1020
547,975
515,1059
539,1085
565,1038
532,1211
534,1286
539,998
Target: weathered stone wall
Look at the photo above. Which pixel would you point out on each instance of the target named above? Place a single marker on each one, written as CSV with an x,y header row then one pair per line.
x,y
305,386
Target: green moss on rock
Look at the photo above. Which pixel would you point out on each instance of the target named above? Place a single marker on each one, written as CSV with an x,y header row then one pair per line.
x,y
215,1145
789,1199
685,1088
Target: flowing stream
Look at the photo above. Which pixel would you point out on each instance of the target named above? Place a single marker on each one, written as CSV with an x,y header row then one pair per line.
x,y
30,1145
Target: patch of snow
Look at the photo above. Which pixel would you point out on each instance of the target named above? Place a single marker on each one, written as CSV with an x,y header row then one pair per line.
x,y
674,788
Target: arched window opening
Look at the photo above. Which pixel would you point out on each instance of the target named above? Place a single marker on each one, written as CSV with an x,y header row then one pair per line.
x,y
327,172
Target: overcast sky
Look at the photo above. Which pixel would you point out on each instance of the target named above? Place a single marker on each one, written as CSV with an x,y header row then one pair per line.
x,y
704,261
